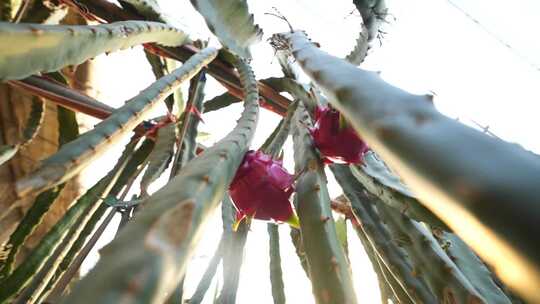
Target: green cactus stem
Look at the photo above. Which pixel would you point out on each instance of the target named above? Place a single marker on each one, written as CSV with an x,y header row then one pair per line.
x,y
33,48
146,8
360,50
231,22
276,274
219,69
219,102
189,122
328,268
373,15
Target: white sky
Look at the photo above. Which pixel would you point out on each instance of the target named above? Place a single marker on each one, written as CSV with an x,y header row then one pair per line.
x,y
431,46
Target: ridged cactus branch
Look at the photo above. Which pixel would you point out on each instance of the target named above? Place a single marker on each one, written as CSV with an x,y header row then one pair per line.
x,y
151,252
276,274
160,69
359,52
296,239
75,221
429,259
189,122
84,207
472,267
383,183
374,13
76,254
393,257
31,129
464,188
219,102
160,157
186,144
146,8
231,22
75,156
282,84
387,283
25,228
329,270
233,255
33,48
68,130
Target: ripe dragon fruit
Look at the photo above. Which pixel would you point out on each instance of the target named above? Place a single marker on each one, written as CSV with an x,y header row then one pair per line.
x,y
335,138
261,189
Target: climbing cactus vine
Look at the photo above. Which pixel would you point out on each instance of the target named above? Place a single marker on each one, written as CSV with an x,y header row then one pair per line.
x,y
445,213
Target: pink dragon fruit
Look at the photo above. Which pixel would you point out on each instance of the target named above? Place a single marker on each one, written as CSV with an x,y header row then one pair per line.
x,y
335,138
261,189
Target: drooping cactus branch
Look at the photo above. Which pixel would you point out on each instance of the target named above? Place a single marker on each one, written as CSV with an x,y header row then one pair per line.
x,y
477,184
231,22
146,260
33,48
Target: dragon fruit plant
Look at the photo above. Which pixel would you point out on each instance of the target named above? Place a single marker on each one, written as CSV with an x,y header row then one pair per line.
x,y
438,226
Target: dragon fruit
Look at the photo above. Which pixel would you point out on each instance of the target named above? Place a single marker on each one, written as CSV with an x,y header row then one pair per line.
x,y
261,189
335,138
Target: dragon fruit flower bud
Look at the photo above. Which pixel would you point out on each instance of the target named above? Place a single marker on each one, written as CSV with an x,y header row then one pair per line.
x,y
261,189
335,138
